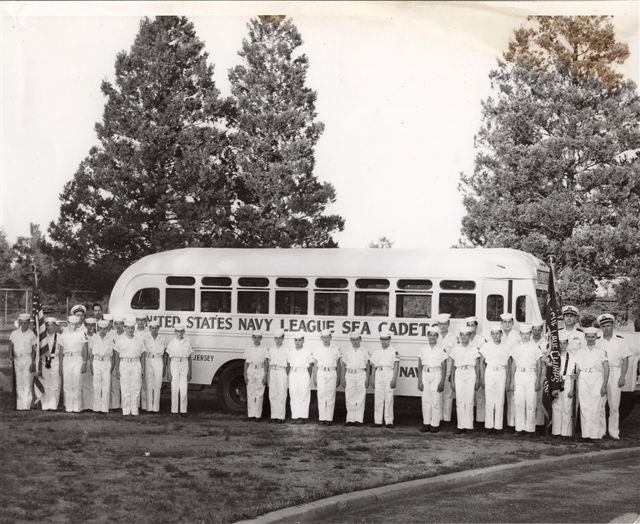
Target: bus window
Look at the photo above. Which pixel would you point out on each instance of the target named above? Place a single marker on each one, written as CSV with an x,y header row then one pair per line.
x,y
146,298
521,308
215,301
372,283
291,302
371,304
541,295
253,282
458,285
327,303
458,305
253,302
216,281
181,281
292,282
417,285
495,307
180,299
413,306
333,283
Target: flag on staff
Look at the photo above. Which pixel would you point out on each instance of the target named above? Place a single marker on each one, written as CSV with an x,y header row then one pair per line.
x,y
552,379
38,315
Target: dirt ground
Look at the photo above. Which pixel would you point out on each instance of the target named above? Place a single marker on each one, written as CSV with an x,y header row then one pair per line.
x,y
213,467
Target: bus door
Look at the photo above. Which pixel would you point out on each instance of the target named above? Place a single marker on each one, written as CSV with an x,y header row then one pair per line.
x,y
524,303
496,299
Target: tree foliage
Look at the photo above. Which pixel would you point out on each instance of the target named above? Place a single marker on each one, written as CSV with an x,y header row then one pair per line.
x,y
382,243
557,171
281,202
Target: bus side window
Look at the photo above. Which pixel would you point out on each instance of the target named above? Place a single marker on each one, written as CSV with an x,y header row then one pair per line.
x,y
458,305
331,298
253,301
372,303
495,307
180,299
291,302
215,301
521,308
413,298
146,298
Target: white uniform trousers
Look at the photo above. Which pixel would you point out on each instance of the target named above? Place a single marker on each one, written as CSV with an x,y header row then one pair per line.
x,y
179,384
278,384
153,382
255,391
539,405
562,411
71,372
355,395
525,398
299,392
511,412
130,380
479,399
465,389
114,394
591,404
431,408
326,390
86,390
383,405
101,385
143,393
447,395
495,381
51,383
24,382
613,399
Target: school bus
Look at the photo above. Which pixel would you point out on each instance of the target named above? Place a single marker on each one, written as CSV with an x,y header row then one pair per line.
x,y
222,295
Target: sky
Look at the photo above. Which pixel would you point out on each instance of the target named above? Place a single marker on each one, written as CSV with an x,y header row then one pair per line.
x,y
399,89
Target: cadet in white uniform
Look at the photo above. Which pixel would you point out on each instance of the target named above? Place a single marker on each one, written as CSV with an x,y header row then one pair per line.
x,y
255,376
525,379
154,346
562,405
575,334
448,341
537,329
75,353
51,370
327,361
477,339
385,363
278,378
618,358
128,358
115,334
300,369
179,351
432,367
22,348
355,376
593,375
141,332
466,378
86,380
510,337
102,362
494,365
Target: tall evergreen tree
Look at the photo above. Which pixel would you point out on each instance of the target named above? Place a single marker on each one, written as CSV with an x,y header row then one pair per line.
x,y
281,202
160,177
557,170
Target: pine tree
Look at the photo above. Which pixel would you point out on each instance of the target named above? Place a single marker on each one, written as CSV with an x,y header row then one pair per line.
x,y
557,171
281,202
161,175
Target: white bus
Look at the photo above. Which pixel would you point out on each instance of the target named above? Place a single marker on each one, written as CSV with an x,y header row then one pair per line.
x,y
222,295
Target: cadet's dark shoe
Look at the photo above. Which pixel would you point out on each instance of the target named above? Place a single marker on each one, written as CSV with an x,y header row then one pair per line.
x,y
248,419
434,429
376,425
357,424
517,433
459,431
390,426
426,428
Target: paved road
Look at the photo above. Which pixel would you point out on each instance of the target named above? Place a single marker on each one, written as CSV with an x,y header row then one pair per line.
x,y
598,493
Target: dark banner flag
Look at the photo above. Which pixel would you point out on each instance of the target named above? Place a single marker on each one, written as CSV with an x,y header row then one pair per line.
x,y
552,379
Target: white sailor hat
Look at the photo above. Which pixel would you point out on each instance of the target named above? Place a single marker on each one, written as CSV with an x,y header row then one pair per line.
x,y
590,331
107,316
605,318
129,322
433,329
178,326
141,316
154,323
572,310
256,333
90,320
471,319
525,328
278,333
466,330
537,323
78,307
563,336
119,318
103,324
506,316
325,333
355,335
24,317
51,320
73,319
385,333
129,318
495,327
443,317
298,336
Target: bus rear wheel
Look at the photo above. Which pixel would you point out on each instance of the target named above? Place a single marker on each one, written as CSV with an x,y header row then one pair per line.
x,y
232,391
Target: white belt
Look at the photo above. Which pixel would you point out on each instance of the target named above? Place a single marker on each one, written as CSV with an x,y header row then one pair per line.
x,y
256,366
153,356
591,370
274,366
526,370
355,370
72,354
380,368
101,357
179,359
433,369
21,357
614,367
496,368
130,359
326,369
299,368
466,367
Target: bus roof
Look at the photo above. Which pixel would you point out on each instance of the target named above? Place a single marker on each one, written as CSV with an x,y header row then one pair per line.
x,y
462,263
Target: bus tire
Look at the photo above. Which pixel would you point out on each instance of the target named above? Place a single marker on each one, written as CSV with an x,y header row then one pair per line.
x,y
232,391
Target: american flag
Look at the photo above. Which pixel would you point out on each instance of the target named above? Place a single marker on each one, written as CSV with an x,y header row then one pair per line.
x,y
41,331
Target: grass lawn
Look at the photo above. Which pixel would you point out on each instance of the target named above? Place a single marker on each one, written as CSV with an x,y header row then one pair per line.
x,y
213,467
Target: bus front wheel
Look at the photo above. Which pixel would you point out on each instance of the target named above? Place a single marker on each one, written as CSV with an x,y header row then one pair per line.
x,y
232,391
